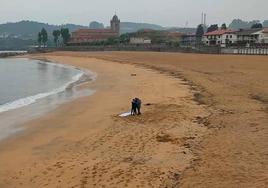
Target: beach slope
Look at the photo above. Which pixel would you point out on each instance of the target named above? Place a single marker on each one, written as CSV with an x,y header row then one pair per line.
x,y
84,143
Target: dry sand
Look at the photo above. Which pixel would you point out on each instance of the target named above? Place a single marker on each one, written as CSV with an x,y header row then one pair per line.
x,y
206,125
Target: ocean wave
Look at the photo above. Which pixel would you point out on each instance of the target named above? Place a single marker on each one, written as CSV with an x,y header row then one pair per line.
x,y
32,99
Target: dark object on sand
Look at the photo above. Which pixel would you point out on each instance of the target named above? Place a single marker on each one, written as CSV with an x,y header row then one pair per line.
x,y
136,107
138,102
133,107
133,74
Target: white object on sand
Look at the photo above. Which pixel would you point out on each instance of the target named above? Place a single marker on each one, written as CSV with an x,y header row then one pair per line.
x,y
125,114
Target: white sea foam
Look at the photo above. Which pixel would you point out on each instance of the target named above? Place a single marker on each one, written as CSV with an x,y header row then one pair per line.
x,y
32,99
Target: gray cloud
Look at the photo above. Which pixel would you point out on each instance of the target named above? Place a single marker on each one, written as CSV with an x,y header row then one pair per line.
x,y
164,12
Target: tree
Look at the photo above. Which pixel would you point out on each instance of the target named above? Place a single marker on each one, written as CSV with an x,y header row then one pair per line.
x,y
213,28
199,33
44,36
124,38
256,25
56,34
223,26
65,34
39,39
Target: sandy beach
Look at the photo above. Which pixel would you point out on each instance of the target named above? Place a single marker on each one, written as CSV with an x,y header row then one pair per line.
x,y
204,124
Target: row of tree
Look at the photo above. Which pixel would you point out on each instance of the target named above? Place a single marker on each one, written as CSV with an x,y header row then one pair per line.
x,y
63,33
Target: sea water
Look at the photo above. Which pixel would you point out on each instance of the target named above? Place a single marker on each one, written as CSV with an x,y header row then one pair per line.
x,y
29,88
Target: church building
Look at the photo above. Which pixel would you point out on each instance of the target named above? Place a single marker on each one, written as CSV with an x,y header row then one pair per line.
x,y
91,35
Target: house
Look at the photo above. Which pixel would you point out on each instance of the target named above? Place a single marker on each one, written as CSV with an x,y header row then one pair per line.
x,y
242,37
140,40
91,35
221,37
264,37
249,36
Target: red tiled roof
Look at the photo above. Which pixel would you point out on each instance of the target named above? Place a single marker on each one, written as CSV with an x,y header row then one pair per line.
x,y
219,32
90,35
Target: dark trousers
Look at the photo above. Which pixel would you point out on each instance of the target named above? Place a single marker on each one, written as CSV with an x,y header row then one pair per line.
x,y
133,110
139,110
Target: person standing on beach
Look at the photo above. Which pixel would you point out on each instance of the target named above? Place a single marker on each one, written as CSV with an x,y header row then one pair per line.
x,y
133,107
138,103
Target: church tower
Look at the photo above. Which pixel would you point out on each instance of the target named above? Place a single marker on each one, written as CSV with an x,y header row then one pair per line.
x,y
115,24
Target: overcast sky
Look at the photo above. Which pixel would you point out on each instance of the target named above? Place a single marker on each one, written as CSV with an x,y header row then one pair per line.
x,y
163,12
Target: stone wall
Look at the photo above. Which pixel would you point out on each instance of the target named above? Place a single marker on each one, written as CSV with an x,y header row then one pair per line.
x,y
155,48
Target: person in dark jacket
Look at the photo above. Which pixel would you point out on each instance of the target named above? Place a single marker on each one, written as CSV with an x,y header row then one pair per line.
x,y
133,107
138,103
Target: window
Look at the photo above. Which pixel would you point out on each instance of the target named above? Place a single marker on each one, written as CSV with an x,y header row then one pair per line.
x,y
231,36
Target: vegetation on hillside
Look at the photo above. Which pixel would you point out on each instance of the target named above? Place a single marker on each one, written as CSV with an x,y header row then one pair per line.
x,y
213,27
28,29
240,24
199,33
16,44
256,26
224,26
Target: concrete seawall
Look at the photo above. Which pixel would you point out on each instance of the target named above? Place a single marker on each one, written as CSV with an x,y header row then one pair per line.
x,y
245,51
8,54
153,48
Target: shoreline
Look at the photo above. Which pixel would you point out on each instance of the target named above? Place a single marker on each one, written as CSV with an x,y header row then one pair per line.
x,y
153,129
7,54
36,102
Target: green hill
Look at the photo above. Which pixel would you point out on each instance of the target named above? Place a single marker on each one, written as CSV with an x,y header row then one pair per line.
x,y
29,29
130,27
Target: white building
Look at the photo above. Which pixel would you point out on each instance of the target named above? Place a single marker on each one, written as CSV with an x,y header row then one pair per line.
x,y
242,37
263,37
249,36
136,40
220,38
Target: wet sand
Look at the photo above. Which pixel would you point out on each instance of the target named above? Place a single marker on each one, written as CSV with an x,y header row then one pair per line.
x,y
204,125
